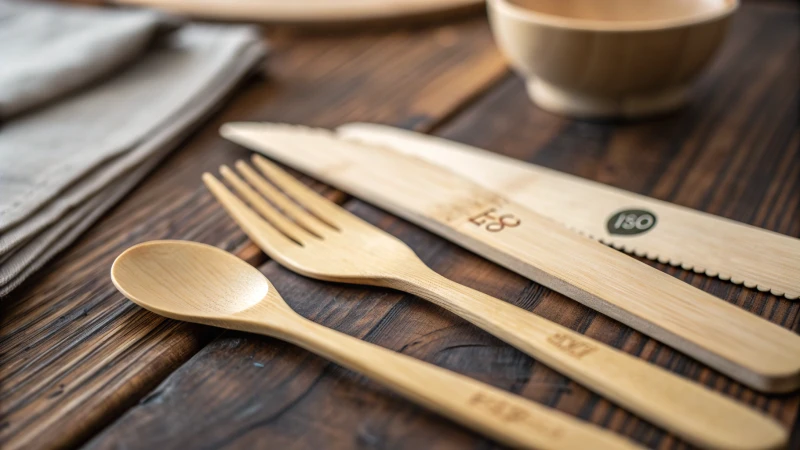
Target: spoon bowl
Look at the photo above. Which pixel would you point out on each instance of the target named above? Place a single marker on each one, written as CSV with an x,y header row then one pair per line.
x,y
188,280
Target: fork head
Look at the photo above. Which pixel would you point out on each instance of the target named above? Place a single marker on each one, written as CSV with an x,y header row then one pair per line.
x,y
304,231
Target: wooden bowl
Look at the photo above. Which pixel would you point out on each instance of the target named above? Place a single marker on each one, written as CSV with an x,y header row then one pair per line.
x,y
609,58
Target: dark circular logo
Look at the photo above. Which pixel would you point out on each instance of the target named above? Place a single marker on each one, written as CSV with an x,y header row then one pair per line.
x,y
631,221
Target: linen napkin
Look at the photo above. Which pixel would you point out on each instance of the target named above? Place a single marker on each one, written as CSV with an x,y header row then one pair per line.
x,y
73,46
64,163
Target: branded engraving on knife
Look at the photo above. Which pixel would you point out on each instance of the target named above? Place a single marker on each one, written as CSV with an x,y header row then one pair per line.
x,y
493,221
509,412
570,345
457,208
631,222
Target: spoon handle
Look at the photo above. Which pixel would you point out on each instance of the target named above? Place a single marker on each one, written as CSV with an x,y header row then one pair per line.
x,y
505,417
690,410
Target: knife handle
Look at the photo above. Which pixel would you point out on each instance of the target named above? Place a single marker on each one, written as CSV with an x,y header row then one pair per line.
x,y
692,411
735,342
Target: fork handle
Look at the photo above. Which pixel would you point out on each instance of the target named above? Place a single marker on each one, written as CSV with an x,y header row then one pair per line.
x,y
688,409
505,417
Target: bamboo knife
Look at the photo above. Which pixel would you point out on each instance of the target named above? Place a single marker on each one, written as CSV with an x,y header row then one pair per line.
x,y
743,346
640,225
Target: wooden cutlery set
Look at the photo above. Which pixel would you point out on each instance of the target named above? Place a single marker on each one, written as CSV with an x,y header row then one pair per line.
x,y
525,218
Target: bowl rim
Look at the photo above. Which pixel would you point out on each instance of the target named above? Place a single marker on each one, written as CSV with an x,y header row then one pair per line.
x,y
530,15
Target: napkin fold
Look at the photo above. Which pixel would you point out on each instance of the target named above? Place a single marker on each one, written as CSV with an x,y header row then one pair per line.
x,y
68,154
50,50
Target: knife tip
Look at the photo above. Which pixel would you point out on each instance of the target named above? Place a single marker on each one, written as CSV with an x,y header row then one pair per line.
x,y
230,128
233,130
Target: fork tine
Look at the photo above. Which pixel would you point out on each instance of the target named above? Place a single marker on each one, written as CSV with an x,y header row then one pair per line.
x,y
278,198
324,209
257,229
267,211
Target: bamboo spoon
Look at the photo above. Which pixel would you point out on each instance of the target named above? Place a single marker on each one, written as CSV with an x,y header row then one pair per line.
x,y
200,283
317,238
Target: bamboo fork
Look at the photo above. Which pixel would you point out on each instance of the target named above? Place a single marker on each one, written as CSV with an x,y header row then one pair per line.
x,y
312,236
200,283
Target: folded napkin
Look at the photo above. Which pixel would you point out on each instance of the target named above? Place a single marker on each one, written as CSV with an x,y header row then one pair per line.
x,y
70,158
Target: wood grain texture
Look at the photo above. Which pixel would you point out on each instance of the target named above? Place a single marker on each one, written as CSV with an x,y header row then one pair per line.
x,y
734,152
200,283
74,354
604,213
766,358
333,245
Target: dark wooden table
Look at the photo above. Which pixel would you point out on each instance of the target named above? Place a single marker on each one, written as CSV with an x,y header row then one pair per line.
x,y
80,365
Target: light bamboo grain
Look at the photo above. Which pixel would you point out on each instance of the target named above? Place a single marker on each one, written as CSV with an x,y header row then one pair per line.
x,y
317,238
200,283
745,347
683,237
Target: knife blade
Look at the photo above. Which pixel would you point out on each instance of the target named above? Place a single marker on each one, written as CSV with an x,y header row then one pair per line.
x,y
741,345
636,224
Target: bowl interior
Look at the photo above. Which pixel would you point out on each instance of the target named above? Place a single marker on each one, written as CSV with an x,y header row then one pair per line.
x,y
625,10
